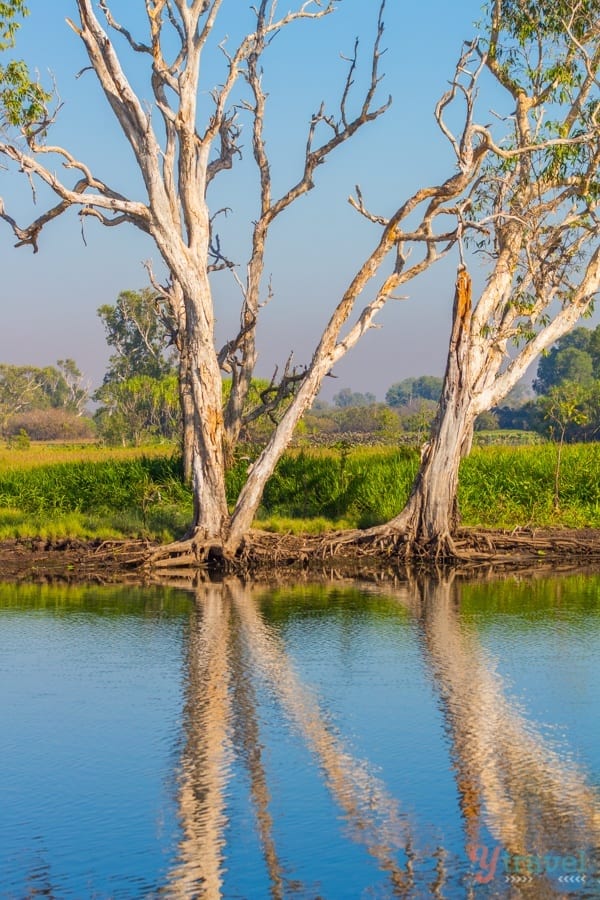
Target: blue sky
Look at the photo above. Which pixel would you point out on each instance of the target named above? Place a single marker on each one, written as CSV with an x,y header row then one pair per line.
x,y
49,300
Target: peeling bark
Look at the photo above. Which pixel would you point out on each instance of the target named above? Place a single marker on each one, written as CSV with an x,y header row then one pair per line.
x,y
431,515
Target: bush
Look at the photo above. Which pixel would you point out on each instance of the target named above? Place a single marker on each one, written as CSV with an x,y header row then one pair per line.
x,y
19,441
51,425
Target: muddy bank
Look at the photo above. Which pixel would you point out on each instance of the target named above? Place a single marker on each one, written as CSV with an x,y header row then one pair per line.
x,y
73,561
272,556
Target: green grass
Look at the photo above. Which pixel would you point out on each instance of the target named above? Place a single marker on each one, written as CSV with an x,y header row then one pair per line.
x,y
91,492
507,486
108,495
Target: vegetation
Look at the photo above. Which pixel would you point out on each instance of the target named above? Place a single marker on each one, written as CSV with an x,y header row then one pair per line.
x,y
523,193
426,387
53,492
46,402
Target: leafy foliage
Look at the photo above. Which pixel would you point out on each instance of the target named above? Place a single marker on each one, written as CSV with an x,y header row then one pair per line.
x,y
25,388
139,409
22,100
10,13
139,333
575,357
426,387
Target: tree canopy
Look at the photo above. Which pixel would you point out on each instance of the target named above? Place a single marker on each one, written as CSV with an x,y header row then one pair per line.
x,y
426,387
139,332
575,357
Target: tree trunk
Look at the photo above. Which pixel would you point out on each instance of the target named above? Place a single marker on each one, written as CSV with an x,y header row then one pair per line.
x,y
430,518
211,515
186,402
431,515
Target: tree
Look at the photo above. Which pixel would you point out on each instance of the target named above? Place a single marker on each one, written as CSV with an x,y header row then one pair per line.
x,y
532,214
137,409
19,386
426,387
574,357
181,148
65,388
136,397
346,398
24,388
139,332
564,406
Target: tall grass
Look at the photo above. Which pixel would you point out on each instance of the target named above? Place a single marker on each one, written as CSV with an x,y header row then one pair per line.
x,y
106,493
112,497
362,486
504,486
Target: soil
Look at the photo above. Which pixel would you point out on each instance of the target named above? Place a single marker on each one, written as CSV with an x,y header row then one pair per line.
x,y
270,555
72,561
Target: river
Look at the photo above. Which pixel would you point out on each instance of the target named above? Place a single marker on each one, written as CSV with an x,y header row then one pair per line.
x,y
432,738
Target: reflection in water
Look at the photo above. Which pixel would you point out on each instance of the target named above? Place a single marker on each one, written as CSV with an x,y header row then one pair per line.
x,y
204,766
372,814
231,638
92,699
533,800
248,743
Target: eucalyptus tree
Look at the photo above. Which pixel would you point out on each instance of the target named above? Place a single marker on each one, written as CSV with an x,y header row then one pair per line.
x,y
137,333
532,216
24,388
181,148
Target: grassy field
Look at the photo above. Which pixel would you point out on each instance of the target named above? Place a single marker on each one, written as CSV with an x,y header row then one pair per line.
x,y
54,491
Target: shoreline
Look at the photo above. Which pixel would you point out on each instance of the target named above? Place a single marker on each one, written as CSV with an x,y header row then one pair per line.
x,y
76,561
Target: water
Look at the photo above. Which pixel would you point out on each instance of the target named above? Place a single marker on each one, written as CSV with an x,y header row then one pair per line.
x,y
339,741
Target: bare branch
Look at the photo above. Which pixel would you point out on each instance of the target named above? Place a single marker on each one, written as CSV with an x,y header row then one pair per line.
x,y
139,48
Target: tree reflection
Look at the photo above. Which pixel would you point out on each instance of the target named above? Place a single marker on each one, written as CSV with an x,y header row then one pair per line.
x,y
230,644
534,800
205,763
531,798
372,815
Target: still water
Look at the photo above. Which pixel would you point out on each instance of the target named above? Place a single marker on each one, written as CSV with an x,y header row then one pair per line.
x,y
431,739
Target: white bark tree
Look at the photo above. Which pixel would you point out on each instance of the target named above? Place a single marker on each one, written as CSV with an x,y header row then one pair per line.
x,y
533,216
178,159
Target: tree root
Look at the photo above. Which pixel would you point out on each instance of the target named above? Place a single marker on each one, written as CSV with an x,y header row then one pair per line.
x,y
382,548
191,552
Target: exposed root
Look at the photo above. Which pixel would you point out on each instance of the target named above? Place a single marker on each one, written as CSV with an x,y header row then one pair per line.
x,y
190,553
384,547
375,554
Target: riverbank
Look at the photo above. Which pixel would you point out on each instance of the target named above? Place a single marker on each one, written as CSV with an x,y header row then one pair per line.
x,y
274,556
103,494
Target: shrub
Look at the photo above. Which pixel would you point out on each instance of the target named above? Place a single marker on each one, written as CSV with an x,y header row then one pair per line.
x,y
51,425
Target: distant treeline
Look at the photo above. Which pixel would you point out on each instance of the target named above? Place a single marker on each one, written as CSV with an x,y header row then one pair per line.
x,y
138,401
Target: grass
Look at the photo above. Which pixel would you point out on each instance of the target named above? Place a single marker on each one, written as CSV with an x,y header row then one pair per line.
x,y
505,487
56,491
92,492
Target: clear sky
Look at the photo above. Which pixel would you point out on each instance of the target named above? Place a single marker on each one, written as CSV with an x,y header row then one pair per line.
x,y
49,300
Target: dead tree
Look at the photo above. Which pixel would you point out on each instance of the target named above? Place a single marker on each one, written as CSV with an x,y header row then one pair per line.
x,y
178,160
